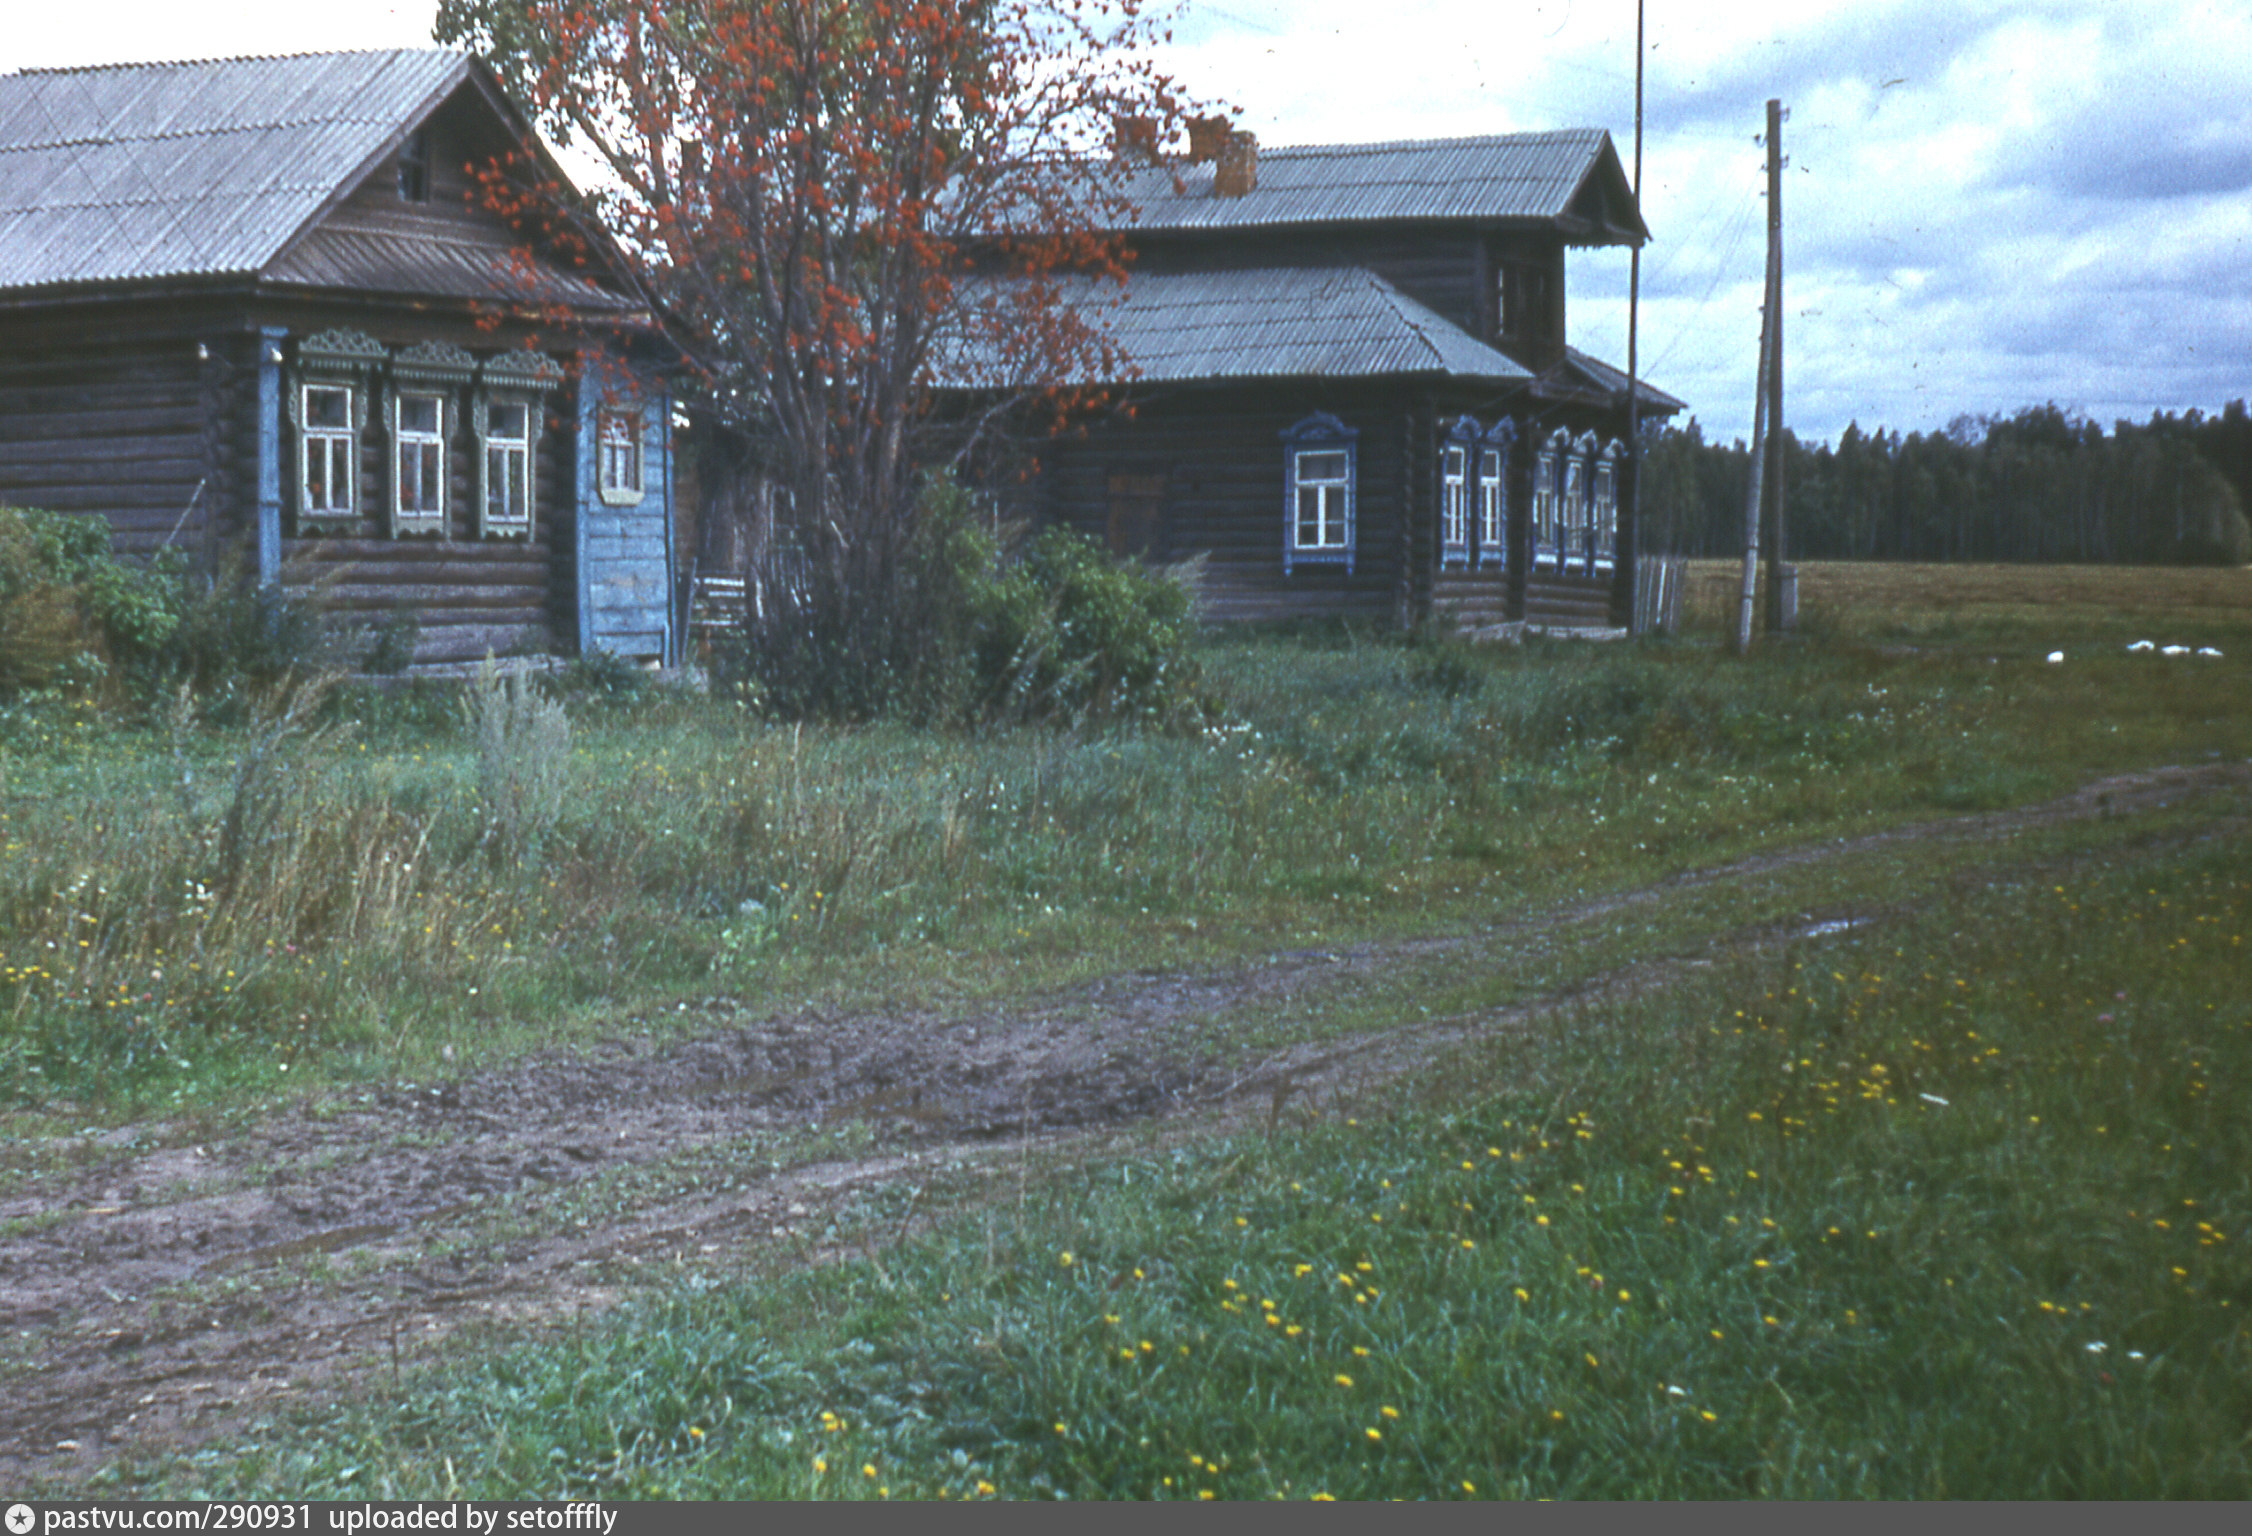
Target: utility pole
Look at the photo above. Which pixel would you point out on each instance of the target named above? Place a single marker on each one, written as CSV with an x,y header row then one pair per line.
x,y
1769,320
1630,558
1778,618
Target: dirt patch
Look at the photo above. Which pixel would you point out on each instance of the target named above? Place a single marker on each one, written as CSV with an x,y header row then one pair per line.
x,y
169,1289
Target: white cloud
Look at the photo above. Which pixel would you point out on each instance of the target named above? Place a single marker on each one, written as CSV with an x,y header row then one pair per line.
x,y
1990,204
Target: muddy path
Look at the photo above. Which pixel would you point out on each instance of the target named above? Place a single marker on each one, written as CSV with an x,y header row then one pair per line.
x,y
166,1282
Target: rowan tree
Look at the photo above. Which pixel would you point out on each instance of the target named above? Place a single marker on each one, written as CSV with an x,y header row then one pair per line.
x,y
819,192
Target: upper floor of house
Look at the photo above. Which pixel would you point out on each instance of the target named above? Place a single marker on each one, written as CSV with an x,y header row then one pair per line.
x,y
1476,229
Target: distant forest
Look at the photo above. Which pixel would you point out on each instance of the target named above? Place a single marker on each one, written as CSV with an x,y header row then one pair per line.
x,y
2042,485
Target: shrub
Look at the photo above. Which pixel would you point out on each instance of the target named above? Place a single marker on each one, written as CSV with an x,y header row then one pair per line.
x,y
71,610
523,743
971,624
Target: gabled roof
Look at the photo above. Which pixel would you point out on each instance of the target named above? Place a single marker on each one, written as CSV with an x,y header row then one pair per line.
x,y
224,168
1272,323
1570,179
195,169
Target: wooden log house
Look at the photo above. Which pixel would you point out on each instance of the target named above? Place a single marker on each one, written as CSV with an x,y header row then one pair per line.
x,y
1352,390
257,310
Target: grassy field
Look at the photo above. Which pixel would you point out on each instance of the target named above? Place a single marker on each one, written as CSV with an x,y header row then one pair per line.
x,y
2045,606
1947,1203
1958,1210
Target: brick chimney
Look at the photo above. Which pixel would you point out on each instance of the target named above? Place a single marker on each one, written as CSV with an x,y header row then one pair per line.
x,y
1238,168
1133,140
1206,136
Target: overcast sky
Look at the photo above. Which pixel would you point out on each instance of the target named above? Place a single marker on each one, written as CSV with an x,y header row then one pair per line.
x,y
1988,205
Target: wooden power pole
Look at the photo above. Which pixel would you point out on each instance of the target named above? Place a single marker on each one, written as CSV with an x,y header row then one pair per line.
x,y
1778,619
1770,349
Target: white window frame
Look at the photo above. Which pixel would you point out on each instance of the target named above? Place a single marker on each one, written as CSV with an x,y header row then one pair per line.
x,y
503,451
428,447
1454,503
1547,554
1333,494
333,447
1575,511
620,477
1493,506
1336,496
1603,538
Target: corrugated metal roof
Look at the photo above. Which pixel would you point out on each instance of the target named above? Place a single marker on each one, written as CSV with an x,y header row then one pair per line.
x,y
191,169
1612,381
422,264
1271,323
1530,176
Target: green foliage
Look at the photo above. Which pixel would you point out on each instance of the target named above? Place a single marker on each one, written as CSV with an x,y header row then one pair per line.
x,y
1832,1223
523,743
65,596
969,626
2038,486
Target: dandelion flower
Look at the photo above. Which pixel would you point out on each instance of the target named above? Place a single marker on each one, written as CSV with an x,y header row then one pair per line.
x,y
1373,1432
1343,1380
1389,1411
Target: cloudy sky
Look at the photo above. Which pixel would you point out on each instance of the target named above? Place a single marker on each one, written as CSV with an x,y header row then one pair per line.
x,y
1988,205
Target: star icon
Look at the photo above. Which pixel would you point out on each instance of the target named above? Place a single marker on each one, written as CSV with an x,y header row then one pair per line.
x,y
21,1520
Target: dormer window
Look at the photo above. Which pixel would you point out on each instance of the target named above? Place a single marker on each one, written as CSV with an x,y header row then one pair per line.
x,y
414,168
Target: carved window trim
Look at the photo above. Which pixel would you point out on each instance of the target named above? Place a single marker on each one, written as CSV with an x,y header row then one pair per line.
x,y
1321,455
619,456
434,371
512,381
1548,496
329,363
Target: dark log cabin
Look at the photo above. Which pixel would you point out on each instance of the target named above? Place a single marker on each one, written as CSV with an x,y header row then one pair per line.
x,y
257,310
1352,390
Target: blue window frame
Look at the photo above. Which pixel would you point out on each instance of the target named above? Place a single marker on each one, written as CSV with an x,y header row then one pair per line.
x,y
1605,532
1320,492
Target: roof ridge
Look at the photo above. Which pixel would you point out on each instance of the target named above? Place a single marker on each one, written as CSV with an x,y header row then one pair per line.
x,y
230,58
1368,147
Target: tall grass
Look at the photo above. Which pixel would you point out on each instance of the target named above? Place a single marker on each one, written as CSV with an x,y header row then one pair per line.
x,y
292,892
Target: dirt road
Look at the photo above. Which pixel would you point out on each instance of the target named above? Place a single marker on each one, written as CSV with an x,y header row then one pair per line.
x,y
166,1282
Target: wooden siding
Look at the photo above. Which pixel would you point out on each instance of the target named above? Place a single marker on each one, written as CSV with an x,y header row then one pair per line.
x,y
455,209
469,594
124,433
1219,458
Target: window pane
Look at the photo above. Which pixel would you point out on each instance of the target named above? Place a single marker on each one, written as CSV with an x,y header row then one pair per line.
x,y
506,420
1454,463
328,408
418,413
1489,465
1321,466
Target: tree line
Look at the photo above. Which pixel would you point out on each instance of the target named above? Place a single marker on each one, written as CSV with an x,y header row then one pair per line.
x,y
2042,485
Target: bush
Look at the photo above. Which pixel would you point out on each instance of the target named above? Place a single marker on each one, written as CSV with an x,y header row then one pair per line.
x,y
70,610
523,742
968,625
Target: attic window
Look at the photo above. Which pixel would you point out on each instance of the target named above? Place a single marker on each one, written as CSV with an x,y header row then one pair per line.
x,y
414,168
1527,313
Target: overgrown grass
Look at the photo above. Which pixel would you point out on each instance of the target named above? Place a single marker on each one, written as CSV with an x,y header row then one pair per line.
x,y
356,921
1961,1208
